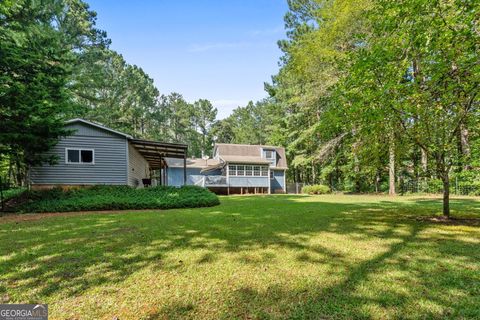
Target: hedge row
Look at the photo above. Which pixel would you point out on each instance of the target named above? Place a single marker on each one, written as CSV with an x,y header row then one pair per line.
x,y
114,198
316,189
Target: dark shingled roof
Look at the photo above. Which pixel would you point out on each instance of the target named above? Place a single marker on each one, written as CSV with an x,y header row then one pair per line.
x,y
191,163
237,152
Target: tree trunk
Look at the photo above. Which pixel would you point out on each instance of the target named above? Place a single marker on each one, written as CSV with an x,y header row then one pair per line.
x,y
356,170
465,146
446,195
443,174
314,175
424,160
391,167
19,175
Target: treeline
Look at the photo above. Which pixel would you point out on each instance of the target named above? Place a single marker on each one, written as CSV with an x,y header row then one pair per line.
x,y
56,65
121,96
375,94
371,94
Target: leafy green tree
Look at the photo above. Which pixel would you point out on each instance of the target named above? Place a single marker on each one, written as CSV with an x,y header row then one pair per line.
x,y
250,124
205,116
109,90
422,56
370,89
222,131
38,46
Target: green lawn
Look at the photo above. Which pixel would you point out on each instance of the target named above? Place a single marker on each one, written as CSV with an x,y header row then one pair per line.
x,y
296,257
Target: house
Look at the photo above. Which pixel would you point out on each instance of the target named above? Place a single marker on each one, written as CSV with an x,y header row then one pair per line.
x,y
94,154
235,168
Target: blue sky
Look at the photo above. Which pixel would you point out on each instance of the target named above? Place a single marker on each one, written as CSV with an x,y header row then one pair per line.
x,y
221,50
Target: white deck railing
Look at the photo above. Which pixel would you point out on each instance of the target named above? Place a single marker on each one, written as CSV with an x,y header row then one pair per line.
x,y
209,181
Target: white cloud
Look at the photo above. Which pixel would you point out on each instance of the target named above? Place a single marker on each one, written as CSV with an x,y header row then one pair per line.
x,y
218,45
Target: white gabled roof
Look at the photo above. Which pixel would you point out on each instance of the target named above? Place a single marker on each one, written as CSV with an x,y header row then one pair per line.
x,y
99,126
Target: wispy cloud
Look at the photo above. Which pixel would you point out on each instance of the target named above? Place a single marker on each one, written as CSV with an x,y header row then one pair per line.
x,y
217,46
226,106
266,32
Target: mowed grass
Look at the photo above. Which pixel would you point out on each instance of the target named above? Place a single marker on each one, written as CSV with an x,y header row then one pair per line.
x,y
252,257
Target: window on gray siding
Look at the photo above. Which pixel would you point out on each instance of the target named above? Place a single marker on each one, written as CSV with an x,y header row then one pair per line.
x,y
73,156
270,155
241,170
264,171
79,156
86,156
247,170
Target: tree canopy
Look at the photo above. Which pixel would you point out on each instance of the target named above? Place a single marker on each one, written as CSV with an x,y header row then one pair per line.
x,y
371,95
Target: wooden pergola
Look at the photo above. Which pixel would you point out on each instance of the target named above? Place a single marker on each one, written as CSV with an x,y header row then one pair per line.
x,y
156,152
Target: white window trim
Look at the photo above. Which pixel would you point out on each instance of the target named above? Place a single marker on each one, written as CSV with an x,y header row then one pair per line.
x,y
234,172
273,159
80,156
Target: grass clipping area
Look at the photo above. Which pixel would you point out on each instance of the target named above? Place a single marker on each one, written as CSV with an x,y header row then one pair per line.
x,y
113,198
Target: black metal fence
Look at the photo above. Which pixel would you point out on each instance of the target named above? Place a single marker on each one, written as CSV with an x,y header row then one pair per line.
x,y
294,187
457,187
431,186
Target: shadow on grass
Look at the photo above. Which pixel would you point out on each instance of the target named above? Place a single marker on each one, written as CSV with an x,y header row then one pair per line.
x,y
66,256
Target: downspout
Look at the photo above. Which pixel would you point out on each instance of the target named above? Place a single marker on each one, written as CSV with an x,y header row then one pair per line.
x,y
185,168
165,174
228,178
269,181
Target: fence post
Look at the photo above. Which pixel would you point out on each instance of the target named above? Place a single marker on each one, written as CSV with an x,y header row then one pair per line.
x,y
456,185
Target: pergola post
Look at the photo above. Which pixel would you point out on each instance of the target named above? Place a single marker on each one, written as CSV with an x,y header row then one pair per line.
x,y
161,166
185,168
165,175
156,152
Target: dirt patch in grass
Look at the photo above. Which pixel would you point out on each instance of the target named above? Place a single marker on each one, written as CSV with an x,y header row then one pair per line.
x,y
16,217
450,221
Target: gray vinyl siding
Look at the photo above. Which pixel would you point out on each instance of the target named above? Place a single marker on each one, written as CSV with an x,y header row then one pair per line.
x,y
248,181
82,129
137,167
277,183
110,159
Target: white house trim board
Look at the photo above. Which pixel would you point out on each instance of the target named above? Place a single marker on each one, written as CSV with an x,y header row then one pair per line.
x,y
269,182
99,126
228,178
127,161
